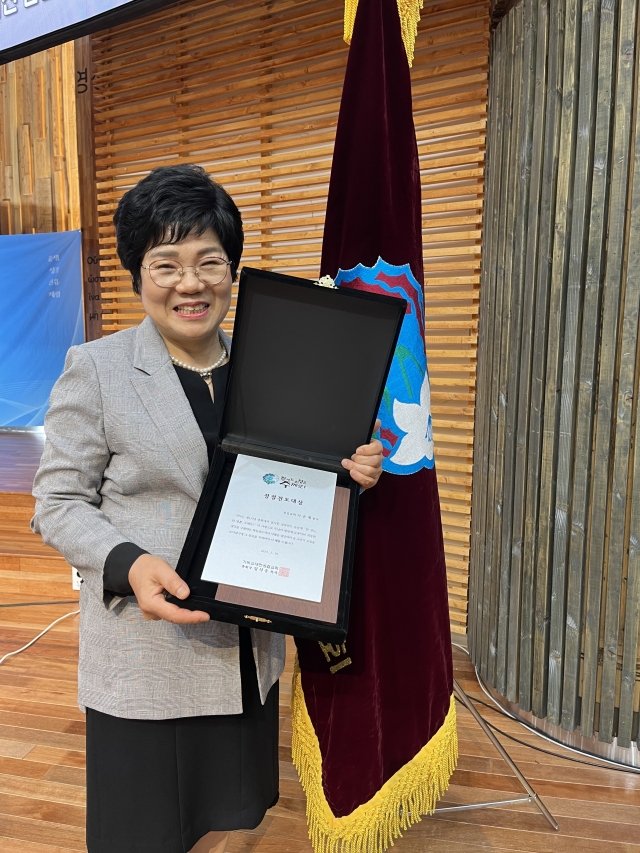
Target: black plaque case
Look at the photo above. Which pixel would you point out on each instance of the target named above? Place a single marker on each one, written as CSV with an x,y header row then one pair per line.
x,y
306,375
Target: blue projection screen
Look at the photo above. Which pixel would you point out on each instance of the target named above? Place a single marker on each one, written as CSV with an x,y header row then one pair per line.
x,y
27,26
41,317
26,20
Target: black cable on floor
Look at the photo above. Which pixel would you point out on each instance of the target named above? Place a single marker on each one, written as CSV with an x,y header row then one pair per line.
x,y
539,748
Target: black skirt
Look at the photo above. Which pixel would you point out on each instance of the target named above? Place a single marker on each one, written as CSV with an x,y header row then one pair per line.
x,y
158,786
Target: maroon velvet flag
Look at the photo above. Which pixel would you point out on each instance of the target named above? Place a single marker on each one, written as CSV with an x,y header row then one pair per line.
x,y
374,733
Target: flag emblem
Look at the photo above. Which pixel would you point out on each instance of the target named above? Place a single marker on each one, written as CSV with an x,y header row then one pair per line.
x,y
405,412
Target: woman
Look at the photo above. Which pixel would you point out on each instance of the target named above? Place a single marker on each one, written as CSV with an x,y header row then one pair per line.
x,y
182,712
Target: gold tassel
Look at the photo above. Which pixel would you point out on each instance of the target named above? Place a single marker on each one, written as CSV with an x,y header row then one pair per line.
x,y
409,11
350,9
403,800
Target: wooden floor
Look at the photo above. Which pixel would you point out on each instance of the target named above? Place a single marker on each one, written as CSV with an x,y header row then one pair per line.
x,y
42,771
42,735
29,569
20,454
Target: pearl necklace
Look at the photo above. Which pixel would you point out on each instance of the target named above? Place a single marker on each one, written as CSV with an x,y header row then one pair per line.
x,y
203,371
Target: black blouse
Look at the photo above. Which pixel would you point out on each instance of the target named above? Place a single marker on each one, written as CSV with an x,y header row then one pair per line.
x,y
208,414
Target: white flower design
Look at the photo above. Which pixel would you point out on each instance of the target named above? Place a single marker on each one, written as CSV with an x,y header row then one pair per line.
x,y
415,420
326,281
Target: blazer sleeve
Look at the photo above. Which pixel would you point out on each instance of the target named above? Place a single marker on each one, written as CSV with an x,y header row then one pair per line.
x,y
67,484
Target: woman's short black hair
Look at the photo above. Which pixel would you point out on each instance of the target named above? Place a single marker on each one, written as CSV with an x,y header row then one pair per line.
x,y
168,205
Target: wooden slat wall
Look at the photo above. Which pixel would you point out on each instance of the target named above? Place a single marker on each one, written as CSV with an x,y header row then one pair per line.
x,y
450,78
555,624
39,187
251,90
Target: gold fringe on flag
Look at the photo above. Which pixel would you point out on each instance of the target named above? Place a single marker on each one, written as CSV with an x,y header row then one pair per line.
x,y
403,800
409,11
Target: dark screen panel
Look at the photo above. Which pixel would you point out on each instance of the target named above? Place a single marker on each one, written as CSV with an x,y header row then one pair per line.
x,y
309,364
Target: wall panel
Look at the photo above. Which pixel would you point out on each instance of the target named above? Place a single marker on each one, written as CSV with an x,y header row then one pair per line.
x,y
251,90
39,187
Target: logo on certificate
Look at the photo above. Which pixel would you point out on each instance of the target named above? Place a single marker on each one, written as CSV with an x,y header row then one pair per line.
x,y
270,479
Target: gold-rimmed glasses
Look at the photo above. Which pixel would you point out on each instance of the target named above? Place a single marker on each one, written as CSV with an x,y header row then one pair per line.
x,y
167,273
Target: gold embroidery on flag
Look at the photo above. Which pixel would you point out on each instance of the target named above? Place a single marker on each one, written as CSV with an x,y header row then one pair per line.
x,y
409,11
329,651
404,799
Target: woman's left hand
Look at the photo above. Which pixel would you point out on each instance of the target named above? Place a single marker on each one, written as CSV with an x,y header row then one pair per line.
x,y
365,466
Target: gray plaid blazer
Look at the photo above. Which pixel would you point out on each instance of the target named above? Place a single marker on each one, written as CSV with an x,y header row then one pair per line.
x,y
125,461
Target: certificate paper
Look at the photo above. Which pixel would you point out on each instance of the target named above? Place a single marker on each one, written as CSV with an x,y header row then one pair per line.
x,y
273,531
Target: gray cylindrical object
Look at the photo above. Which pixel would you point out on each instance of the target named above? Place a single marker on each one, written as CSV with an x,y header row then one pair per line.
x,y
555,556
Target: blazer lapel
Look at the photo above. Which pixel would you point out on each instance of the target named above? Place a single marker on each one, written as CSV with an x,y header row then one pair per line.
x,y
226,340
159,388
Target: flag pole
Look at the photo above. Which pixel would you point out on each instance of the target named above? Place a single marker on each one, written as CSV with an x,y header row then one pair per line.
x,y
532,796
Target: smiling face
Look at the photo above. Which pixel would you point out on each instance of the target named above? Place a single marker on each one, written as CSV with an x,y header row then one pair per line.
x,y
188,315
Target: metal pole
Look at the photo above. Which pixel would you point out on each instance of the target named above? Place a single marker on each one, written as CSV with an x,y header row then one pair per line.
x,y
483,805
462,696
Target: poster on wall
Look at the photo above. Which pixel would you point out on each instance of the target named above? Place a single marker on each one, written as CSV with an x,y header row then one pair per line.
x,y
41,316
27,26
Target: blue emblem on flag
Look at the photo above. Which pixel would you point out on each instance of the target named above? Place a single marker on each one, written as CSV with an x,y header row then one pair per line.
x,y
405,412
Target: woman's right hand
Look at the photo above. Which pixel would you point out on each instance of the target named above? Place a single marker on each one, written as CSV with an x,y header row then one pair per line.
x,y
150,577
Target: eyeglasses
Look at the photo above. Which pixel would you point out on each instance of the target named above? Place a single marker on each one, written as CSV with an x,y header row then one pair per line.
x,y
167,273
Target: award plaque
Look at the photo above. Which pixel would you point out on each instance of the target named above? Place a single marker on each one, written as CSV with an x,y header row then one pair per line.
x,y
272,539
